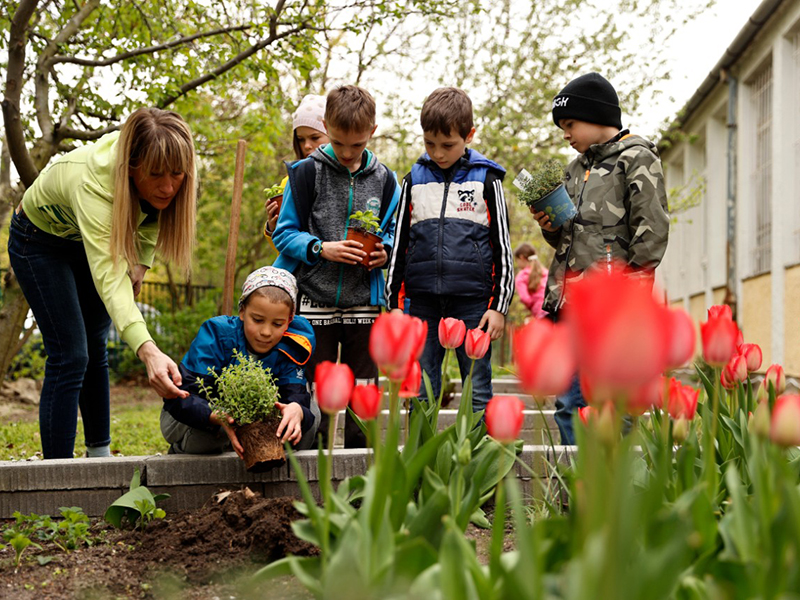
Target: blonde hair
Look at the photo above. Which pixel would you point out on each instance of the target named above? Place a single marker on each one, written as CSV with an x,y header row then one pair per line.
x,y
155,141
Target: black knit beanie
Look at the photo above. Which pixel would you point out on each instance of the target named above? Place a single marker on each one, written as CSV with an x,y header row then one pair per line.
x,y
589,98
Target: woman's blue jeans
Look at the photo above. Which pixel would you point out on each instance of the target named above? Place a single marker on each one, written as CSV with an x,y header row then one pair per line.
x,y
55,278
431,309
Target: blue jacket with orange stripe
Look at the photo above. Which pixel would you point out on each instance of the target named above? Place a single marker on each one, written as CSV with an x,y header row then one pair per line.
x,y
452,235
213,348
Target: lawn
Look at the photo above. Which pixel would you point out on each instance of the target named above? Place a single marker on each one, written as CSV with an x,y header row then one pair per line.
x,y
134,428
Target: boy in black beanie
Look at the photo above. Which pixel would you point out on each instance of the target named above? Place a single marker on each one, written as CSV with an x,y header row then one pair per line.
x,y
617,185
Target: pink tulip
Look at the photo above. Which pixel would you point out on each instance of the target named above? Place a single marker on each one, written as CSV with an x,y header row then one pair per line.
x,y
719,340
396,340
365,401
785,425
477,343
410,385
682,338
451,332
725,378
621,333
736,369
334,384
682,401
504,418
777,378
752,355
544,359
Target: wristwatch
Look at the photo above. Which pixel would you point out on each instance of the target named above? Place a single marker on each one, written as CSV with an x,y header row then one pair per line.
x,y
316,249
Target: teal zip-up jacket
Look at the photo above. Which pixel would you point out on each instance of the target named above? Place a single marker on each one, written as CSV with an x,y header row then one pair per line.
x,y
73,199
317,204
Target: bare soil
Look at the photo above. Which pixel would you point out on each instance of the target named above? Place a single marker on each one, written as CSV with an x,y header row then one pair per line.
x,y
208,553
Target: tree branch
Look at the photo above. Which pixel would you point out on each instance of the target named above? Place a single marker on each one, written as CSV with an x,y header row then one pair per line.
x,y
236,60
41,99
149,50
15,133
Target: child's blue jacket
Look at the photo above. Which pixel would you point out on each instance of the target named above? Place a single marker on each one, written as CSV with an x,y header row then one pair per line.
x,y
213,348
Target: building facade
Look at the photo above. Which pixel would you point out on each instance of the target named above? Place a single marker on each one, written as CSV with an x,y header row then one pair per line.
x,y
732,166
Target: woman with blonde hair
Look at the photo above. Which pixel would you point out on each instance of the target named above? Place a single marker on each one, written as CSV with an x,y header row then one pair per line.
x,y
531,279
80,243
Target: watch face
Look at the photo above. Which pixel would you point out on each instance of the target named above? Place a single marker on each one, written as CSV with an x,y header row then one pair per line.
x,y
317,248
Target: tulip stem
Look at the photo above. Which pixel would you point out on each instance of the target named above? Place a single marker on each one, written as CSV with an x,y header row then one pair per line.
x,y
327,487
442,379
711,461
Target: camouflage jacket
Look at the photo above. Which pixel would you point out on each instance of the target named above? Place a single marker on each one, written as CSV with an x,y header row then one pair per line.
x,y
618,188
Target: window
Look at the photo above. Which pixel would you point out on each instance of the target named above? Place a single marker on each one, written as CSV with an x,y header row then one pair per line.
x,y
761,176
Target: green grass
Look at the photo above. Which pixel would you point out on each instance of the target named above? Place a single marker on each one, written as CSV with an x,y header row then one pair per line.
x,y
134,432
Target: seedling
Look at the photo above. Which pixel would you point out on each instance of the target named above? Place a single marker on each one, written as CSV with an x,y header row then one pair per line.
x,y
365,221
137,506
19,541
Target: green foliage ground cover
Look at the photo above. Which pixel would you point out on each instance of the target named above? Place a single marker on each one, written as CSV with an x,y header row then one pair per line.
x,y
134,432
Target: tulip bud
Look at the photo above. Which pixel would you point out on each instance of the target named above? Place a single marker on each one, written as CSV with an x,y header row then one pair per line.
x,y
366,401
477,343
451,332
680,430
777,378
334,385
410,385
719,340
785,424
606,426
586,413
753,356
465,453
762,395
736,369
760,421
722,311
504,418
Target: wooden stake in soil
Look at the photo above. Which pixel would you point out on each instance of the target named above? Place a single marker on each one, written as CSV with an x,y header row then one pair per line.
x,y
233,231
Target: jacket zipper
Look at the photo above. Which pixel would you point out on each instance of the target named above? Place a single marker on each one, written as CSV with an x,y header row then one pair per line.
x,y
572,238
346,225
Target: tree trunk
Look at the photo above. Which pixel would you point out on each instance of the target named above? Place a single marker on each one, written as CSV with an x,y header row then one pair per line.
x,y
12,319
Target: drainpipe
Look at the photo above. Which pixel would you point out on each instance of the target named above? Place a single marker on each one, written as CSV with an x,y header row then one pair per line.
x,y
730,248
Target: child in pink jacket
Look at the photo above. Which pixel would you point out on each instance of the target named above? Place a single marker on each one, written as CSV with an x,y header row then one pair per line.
x,y
531,279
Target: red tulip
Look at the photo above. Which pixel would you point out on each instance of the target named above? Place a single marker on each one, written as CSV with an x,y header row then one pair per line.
x,y
719,340
735,370
777,378
753,356
593,394
395,341
451,332
477,343
681,338
366,401
682,401
621,333
504,418
586,413
726,379
544,359
646,397
785,425
720,311
410,386
334,384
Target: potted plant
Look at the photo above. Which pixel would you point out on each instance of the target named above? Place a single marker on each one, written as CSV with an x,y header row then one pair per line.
x,y
247,392
544,191
276,192
364,227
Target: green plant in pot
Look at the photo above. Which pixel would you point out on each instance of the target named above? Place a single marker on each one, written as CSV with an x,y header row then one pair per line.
x,y
544,191
364,227
274,192
247,392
